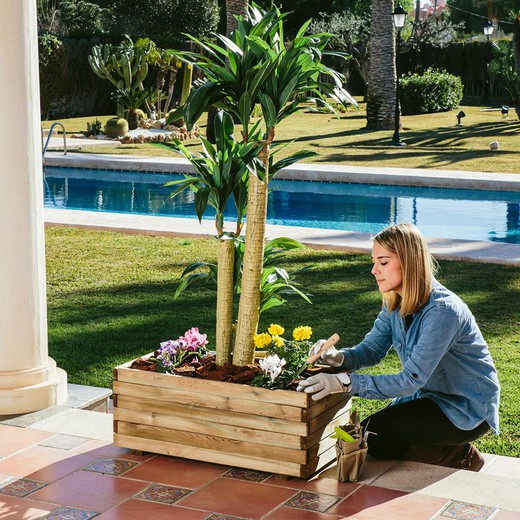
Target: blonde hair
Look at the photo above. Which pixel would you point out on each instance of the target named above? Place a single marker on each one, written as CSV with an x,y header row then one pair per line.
x,y
417,265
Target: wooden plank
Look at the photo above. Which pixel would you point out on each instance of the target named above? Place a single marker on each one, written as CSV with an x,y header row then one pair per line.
x,y
215,457
322,433
208,400
205,441
322,461
327,416
195,425
246,420
318,407
217,388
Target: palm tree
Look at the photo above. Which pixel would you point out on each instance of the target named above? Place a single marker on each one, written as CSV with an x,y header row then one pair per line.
x,y
235,8
516,48
221,175
254,66
382,74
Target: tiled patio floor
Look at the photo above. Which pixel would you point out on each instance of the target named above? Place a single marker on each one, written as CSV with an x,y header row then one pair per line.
x,y
45,473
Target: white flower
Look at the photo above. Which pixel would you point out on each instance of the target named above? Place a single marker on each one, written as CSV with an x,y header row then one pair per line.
x,y
272,366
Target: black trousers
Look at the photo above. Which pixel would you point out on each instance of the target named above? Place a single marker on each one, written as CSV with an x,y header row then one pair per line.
x,y
418,422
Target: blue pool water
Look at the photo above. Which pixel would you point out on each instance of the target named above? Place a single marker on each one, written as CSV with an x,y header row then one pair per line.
x,y
444,213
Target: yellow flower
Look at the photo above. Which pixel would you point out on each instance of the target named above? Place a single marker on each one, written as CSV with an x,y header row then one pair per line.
x,y
278,341
275,330
302,333
262,340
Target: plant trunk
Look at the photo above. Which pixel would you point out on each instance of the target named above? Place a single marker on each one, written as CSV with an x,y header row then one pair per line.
x,y
133,119
382,75
234,8
516,50
248,310
225,286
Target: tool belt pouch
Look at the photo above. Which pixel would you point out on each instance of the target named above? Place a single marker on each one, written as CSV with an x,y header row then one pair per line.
x,y
351,455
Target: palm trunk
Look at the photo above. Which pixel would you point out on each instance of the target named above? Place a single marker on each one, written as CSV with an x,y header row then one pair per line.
x,y
516,49
225,284
382,75
248,310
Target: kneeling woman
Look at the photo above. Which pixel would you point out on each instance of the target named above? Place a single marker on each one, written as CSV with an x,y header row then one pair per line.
x,y
447,393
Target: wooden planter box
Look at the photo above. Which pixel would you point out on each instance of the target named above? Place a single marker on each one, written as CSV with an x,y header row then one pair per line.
x,y
277,431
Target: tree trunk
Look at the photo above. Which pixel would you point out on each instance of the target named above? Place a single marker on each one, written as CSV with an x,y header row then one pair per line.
x,y
516,48
234,8
133,119
382,75
225,287
248,310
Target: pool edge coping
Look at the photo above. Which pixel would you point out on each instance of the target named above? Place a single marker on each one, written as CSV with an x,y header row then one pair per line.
x,y
317,238
306,172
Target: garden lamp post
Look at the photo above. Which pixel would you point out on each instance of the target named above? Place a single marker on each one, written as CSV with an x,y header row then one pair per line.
x,y
399,16
488,31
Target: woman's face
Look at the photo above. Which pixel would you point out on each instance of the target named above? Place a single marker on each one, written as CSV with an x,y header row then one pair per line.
x,y
387,269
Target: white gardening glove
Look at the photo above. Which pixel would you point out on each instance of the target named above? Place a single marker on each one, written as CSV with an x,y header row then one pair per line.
x,y
331,357
322,385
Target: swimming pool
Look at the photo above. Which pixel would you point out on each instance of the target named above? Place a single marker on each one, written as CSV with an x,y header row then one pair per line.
x,y
445,213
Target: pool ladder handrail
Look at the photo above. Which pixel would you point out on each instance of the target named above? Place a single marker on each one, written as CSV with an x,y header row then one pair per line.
x,y
56,123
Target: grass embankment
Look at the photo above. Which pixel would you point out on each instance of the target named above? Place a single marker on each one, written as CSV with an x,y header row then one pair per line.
x,y
110,299
434,140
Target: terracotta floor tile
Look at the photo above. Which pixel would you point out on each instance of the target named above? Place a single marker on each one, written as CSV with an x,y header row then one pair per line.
x,y
12,508
104,449
91,491
60,469
288,513
319,485
141,510
374,503
30,460
177,472
238,498
13,439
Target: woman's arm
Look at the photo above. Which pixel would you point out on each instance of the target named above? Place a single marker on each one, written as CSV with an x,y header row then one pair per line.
x,y
440,327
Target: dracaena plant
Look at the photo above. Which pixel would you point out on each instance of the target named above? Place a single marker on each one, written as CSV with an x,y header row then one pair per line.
x,y
256,66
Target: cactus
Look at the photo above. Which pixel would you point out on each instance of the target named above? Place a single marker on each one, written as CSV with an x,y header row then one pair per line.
x,y
124,65
116,127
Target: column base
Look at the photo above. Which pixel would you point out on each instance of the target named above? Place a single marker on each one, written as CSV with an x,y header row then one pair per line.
x,y
30,398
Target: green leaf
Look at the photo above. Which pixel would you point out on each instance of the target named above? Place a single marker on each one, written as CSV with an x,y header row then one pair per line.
x,y
201,202
339,433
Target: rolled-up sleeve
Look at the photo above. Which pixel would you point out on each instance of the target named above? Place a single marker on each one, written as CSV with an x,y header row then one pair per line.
x,y
440,327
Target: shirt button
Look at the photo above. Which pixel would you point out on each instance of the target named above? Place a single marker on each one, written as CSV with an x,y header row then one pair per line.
x,y
415,376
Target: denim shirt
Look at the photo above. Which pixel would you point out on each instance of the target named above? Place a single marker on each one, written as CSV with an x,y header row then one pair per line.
x,y
443,355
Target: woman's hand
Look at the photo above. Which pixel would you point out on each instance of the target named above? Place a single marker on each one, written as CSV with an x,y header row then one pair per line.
x,y
322,385
331,357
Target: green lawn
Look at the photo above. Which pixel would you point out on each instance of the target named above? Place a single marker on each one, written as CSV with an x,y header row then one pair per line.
x,y
434,140
110,299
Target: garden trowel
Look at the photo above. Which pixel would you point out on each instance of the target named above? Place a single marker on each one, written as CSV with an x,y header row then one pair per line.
x,y
312,359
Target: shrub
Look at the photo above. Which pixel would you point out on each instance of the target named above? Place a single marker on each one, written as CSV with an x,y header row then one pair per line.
x,y
433,91
116,127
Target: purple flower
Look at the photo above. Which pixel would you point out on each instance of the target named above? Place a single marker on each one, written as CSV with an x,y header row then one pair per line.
x,y
172,353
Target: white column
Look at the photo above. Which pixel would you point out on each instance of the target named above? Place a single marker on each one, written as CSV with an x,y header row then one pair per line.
x,y
29,379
